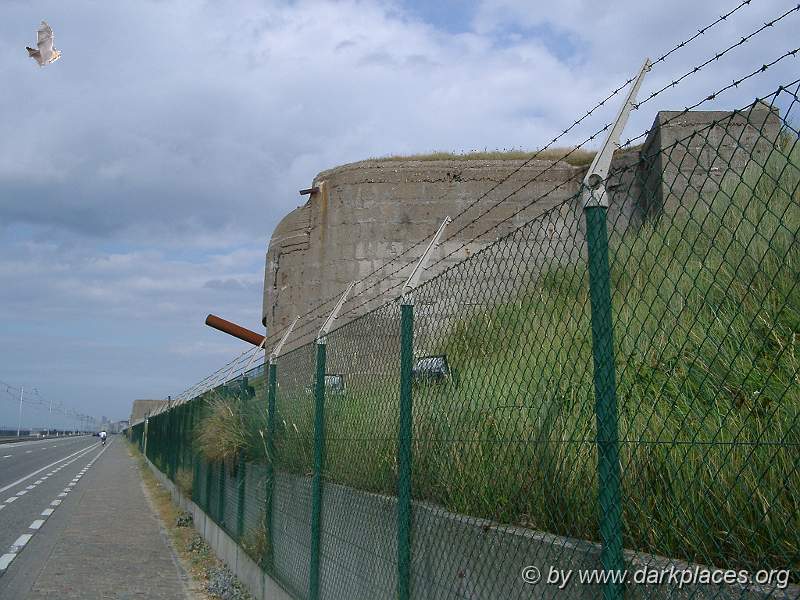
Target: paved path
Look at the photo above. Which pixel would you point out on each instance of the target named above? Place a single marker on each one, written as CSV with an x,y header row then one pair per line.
x,y
102,541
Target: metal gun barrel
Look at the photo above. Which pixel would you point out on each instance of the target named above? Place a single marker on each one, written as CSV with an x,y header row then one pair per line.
x,y
235,330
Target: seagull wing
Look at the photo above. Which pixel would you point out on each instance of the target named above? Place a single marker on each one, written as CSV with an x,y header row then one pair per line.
x,y
35,54
45,40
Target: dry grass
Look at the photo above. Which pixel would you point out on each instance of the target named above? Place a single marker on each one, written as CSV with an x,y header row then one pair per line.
x,y
184,479
575,157
191,549
196,564
255,543
224,432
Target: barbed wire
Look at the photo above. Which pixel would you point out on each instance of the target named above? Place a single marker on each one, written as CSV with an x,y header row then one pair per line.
x,y
303,328
299,332
643,135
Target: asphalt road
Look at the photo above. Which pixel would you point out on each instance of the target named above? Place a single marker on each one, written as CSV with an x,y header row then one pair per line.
x,y
36,478
21,458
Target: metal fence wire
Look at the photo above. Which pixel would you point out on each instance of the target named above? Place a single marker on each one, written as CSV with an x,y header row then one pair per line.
x,y
610,393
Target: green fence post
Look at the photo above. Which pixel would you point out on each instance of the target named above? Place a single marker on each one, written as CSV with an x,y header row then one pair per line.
x,y
172,440
193,458
241,474
195,479
316,482
207,507
244,396
144,435
404,453
184,439
270,482
595,208
221,496
605,387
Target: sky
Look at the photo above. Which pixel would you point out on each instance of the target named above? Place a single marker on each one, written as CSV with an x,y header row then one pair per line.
x,y
142,174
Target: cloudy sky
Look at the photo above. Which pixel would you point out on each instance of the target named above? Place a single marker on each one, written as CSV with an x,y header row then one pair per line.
x,y
142,174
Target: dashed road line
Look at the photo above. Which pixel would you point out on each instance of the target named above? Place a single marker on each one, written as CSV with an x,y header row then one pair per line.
x,y
20,543
51,465
8,558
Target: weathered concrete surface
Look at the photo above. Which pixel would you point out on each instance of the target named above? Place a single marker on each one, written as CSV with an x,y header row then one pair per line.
x,y
367,215
689,154
453,556
141,408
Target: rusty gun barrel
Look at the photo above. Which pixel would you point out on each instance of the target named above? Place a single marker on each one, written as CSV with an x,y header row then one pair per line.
x,y
235,330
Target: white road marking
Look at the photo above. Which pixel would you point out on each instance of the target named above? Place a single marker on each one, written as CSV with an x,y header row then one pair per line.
x,y
10,500
8,456
28,451
20,543
29,487
38,481
5,560
60,460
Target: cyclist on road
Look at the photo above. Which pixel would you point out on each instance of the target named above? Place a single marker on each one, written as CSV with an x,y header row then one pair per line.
x,y
103,437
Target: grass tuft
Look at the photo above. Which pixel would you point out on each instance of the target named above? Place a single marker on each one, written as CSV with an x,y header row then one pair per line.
x,y
575,157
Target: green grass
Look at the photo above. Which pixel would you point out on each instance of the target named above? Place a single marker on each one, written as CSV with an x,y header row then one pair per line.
x,y
707,340
570,155
707,314
707,331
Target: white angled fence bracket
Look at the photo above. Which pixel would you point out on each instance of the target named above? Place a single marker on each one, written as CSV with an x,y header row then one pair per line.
x,y
413,279
277,350
261,346
594,189
326,327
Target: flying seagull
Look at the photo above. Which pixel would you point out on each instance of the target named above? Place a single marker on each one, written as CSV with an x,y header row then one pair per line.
x,y
46,53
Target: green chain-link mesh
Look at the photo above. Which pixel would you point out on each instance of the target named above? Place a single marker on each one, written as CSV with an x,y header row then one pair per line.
x,y
615,389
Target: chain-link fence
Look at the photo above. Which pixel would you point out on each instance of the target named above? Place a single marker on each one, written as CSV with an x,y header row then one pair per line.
x,y
613,390
604,401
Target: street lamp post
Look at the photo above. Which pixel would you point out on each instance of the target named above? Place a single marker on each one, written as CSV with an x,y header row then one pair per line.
x,y
19,421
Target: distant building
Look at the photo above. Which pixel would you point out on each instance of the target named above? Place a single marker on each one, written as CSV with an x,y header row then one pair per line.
x,y
144,407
